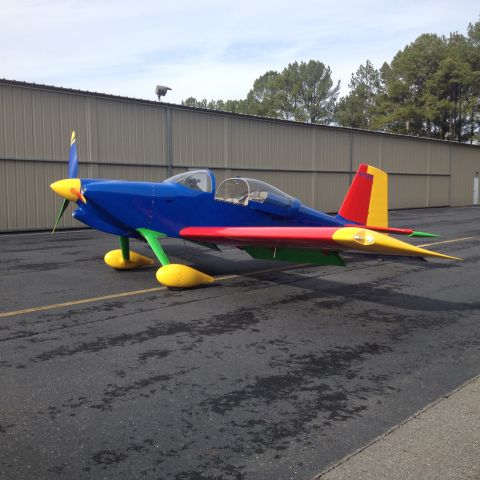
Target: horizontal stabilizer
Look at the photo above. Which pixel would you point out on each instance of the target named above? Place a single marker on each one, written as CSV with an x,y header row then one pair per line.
x,y
397,231
416,233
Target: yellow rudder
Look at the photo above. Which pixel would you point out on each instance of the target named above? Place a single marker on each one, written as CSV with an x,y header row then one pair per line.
x,y
378,208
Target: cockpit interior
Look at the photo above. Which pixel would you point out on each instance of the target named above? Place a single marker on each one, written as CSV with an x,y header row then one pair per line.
x,y
246,192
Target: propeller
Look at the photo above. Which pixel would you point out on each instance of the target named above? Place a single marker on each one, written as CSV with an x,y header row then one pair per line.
x,y
60,213
73,157
69,189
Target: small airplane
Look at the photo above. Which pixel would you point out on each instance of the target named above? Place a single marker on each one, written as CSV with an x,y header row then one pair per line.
x,y
250,214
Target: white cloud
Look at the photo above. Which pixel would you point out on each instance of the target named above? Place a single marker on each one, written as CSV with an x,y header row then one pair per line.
x,y
208,49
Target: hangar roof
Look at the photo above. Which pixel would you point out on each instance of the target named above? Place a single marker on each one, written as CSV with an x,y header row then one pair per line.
x,y
39,86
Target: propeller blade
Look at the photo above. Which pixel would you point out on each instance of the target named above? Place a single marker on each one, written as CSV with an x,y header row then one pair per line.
x,y
60,213
73,158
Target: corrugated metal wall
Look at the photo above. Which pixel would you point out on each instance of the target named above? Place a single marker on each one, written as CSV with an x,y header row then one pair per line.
x,y
141,140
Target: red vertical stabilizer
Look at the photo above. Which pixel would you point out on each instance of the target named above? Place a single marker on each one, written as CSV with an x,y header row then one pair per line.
x,y
366,202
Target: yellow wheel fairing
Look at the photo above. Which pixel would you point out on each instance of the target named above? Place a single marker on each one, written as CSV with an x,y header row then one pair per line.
x,y
175,275
115,259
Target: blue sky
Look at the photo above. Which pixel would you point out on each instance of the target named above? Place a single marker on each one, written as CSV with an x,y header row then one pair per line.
x,y
207,49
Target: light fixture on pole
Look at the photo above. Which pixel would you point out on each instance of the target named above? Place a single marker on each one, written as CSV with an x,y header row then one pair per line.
x,y
161,91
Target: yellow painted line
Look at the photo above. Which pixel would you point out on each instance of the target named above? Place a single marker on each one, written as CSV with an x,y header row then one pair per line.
x,y
133,292
448,241
79,302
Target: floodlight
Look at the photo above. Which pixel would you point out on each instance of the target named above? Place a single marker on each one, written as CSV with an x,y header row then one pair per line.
x,y
161,91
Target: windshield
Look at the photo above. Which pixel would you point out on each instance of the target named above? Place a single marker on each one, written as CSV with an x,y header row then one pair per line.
x,y
196,180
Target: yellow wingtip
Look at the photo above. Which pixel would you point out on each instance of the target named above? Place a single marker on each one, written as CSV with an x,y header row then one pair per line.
x,y
363,239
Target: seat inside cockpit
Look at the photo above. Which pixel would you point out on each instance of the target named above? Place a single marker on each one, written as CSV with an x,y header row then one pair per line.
x,y
194,180
243,191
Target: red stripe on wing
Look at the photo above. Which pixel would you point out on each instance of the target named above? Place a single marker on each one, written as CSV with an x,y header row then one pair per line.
x,y
306,237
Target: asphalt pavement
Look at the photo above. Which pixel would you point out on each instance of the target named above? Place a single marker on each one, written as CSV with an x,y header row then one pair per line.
x,y
276,371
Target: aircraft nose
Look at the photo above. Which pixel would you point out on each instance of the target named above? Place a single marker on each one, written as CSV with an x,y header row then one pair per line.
x,y
68,188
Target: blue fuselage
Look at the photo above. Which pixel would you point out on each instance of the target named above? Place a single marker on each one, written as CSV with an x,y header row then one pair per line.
x,y
120,208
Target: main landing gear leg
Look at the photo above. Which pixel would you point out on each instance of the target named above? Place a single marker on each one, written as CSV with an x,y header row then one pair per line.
x,y
125,259
173,275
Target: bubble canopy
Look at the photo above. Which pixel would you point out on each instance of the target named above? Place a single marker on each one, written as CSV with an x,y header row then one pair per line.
x,y
200,180
242,191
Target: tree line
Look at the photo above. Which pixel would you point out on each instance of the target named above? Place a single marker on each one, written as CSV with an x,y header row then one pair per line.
x,y
431,88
